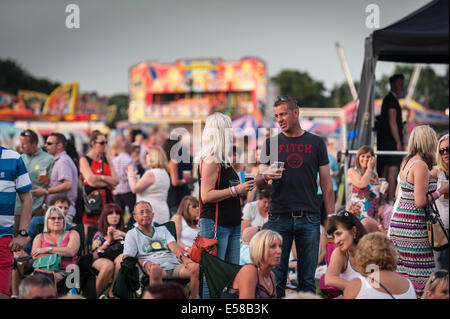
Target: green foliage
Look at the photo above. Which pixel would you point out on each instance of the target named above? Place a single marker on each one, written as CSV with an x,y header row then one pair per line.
x,y
340,95
13,78
307,91
432,90
121,100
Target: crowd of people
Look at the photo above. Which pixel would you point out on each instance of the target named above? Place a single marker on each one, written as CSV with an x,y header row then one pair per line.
x,y
113,203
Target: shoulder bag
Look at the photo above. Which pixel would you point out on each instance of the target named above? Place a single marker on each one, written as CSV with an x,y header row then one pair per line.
x,y
202,243
93,202
51,262
437,234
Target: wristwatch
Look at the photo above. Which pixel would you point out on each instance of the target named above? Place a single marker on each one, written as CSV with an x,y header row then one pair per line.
x,y
184,254
50,249
23,233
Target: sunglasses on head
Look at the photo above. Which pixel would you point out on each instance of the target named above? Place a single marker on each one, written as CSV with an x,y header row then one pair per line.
x,y
26,133
443,150
439,274
343,213
285,98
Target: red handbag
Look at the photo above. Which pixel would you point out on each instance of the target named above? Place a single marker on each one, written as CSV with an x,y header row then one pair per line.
x,y
202,243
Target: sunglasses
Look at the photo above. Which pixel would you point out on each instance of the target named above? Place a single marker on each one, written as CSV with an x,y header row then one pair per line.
x,y
194,206
443,150
439,274
50,143
102,143
343,213
55,218
26,133
285,98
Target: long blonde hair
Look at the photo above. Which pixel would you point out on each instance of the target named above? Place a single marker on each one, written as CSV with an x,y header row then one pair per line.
x,y
423,141
217,138
440,163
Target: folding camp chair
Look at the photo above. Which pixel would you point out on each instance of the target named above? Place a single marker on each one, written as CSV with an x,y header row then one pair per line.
x,y
132,278
219,274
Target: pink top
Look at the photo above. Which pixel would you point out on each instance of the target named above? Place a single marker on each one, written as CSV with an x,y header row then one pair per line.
x,y
65,261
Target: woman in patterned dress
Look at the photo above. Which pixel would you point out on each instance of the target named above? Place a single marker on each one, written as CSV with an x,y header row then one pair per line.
x,y
363,180
408,229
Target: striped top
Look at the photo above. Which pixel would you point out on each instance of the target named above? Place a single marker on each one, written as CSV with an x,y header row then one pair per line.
x,y
13,178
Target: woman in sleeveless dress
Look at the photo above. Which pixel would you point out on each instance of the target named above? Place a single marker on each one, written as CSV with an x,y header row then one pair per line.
x,y
363,180
408,229
154,185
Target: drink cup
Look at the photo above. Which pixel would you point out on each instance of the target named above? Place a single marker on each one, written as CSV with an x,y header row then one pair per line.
x,y
187,176
278,166
249,177
43,176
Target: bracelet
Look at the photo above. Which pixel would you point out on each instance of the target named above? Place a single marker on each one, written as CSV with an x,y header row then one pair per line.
x,y
103,177
264,177
438,193
233,190
143,264
107,243
46,191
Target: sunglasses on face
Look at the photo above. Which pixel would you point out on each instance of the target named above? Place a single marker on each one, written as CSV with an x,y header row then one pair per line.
x,y
102,143
55,218
443,150
50,143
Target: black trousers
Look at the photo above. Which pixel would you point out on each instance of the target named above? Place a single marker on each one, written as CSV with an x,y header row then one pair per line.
x,y
127,199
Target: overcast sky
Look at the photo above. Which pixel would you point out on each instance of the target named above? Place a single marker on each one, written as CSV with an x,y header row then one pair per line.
x,y
114,35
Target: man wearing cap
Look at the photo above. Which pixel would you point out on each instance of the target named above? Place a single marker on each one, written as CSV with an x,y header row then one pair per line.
x,y
37,162
294,204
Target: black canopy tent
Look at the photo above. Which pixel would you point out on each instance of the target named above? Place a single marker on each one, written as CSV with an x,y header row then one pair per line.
x,y
420,37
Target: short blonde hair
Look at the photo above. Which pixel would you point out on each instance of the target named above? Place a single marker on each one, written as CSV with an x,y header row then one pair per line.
x,y
47,216
259,245
376,249
156,158
440,163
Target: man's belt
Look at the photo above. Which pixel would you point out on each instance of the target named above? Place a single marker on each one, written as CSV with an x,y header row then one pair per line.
x,y
301,213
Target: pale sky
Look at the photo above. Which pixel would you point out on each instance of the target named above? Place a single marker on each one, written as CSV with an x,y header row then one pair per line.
x,y
114,35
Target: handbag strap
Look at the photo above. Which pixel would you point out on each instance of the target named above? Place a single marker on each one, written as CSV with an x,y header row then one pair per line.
x,y
200,204
381,285
61,238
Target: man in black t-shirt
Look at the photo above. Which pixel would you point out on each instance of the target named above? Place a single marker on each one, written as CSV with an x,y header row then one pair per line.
x,y
390,134
294,203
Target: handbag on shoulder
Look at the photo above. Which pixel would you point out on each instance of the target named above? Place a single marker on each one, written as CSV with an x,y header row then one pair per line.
x,y
200,243
437,234
93,204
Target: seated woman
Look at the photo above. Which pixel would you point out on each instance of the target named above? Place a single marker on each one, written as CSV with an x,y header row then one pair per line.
x,y
346,230
364,181
56,240
377,259
437,286
107,246
186,222
256,280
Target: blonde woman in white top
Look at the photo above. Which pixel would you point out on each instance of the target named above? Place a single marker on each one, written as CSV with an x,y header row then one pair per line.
x,y
377,259
153,186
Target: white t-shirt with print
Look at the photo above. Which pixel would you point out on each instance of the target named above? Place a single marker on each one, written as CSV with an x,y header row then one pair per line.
x,y
153,249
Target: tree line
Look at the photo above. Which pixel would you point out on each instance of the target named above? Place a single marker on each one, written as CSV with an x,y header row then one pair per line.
x,y
432,89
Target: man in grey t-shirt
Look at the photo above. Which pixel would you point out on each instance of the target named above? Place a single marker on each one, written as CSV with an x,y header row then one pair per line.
x,y
157,250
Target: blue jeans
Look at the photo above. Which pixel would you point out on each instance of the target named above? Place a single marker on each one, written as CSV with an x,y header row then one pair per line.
x,y
228,246
306,233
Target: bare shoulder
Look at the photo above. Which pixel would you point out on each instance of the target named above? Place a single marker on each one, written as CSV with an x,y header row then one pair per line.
x,y
353,288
